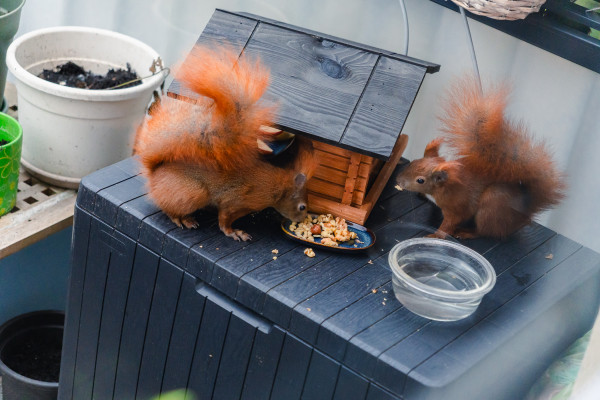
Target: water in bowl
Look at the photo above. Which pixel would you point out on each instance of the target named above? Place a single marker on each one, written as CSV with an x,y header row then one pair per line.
x,y
442,272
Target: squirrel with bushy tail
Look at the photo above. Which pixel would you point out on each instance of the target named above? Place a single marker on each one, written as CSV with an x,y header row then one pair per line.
x,y
205,153
497,177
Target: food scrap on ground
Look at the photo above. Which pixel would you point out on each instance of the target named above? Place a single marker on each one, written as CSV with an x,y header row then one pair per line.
x,y
309,252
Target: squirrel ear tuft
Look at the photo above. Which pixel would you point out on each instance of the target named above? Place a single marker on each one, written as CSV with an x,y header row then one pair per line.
x,y
439,177
300,180
448,170
433,148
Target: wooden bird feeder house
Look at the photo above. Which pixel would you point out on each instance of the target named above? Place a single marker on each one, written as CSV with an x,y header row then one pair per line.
x,y
352,100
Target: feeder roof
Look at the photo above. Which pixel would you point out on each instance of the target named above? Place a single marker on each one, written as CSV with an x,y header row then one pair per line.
x,y
327,88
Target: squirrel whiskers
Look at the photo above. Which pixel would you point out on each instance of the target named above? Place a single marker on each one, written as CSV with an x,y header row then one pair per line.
x,y
499,177
205,153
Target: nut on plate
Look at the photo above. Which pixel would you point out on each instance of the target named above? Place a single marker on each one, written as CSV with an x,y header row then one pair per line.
x,y
332,230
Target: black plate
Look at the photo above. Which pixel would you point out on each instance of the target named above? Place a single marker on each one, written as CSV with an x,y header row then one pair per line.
x,y
364,235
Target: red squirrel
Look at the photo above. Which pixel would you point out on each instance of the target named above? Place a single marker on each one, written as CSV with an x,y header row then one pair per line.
x,y
205,153
498,177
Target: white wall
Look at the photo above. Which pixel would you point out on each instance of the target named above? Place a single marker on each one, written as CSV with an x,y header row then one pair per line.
x,y
558,99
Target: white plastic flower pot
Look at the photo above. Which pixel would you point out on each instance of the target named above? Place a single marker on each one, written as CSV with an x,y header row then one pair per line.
x,y
70,132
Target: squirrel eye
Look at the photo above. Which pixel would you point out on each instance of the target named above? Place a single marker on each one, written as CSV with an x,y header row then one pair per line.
x,y
301,207
420,181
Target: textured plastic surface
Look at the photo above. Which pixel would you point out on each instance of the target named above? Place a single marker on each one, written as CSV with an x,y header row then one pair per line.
x,y
153,307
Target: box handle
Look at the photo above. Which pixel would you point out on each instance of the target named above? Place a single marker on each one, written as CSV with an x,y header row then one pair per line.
x,y
240,311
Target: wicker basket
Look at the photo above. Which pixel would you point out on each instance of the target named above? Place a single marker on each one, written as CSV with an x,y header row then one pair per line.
x,y
501,9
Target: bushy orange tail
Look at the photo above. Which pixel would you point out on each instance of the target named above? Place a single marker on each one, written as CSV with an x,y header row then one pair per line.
x,y
234,84
491,145
221,129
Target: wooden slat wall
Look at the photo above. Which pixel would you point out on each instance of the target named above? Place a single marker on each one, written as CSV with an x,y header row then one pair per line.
x,y
351,179
335,179
338,177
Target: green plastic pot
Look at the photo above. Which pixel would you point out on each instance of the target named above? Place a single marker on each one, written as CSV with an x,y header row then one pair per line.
x,y
10,160
10,15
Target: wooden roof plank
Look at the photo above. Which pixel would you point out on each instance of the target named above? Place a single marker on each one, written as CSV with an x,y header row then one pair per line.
x,y
383,108
315,83
430,67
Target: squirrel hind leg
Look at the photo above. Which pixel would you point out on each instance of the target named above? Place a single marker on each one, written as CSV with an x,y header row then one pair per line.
x,y
226,219
177,194
465,233
187,221
502,211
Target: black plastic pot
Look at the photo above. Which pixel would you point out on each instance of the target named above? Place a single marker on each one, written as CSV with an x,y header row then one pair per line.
x,y
30,347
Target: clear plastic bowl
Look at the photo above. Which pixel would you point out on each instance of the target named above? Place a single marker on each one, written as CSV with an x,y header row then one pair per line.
x,y
439,279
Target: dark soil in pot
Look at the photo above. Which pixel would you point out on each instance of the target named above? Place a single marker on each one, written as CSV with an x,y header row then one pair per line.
x,y
73,75
35,354
30,353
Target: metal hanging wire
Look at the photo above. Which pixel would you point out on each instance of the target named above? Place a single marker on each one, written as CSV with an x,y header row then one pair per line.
x,y
467,31
471,48
405,20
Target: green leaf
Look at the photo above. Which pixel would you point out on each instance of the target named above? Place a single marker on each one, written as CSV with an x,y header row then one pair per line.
x,y
180,394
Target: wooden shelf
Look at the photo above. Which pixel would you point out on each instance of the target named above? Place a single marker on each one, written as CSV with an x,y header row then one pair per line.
x,y
41,209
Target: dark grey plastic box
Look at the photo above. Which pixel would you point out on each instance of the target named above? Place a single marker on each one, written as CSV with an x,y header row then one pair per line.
x,y
153,307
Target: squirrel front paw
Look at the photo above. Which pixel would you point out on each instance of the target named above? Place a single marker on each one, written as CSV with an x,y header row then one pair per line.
x,y
465,234
237,234
438,235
